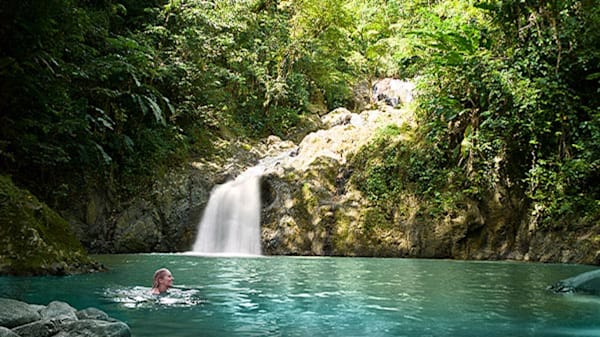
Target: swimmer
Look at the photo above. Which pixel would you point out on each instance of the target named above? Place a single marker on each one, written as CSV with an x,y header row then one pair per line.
x,y
163,280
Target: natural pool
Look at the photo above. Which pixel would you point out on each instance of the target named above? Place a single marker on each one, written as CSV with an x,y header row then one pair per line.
x,y
298,296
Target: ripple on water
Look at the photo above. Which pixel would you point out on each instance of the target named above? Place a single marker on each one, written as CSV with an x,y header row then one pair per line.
x,y
141,297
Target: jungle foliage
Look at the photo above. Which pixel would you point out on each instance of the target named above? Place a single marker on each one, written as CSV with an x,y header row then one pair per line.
x,y
509,103
111,92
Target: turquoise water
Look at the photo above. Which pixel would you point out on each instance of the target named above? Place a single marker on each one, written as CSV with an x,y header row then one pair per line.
x,y
295,296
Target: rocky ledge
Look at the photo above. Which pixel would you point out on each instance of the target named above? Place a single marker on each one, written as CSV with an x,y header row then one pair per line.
x,y
58,319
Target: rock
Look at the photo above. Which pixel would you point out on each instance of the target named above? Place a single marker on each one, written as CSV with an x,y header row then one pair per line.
x,y
57,310
6,332
393,92
56,319
339,116
43,328
164,219
95,328
14,313
34,239
93,313
361,96
309,209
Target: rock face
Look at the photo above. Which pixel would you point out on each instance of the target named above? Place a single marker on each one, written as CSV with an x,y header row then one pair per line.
x,y
19,319
165,217
34,239
307,206
162,220
393,91
312,206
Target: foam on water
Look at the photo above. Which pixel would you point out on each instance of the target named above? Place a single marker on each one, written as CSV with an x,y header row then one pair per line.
x,y
141,297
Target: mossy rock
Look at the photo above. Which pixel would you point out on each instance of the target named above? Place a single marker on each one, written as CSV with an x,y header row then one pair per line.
x,y
35,240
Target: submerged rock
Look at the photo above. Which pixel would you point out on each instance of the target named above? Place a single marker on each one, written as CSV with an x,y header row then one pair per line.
x,y
588,282
19,319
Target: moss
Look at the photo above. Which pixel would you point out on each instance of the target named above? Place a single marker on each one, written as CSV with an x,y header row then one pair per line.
x,y
34,239
310,200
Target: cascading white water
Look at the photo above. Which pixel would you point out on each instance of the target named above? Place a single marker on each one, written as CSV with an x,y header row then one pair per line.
x,y
231,221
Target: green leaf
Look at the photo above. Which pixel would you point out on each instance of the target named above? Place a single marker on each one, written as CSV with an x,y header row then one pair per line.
x,y
107,159
156,110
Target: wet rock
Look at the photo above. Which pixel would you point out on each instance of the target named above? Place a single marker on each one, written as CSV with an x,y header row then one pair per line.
x,y
93,313
43,328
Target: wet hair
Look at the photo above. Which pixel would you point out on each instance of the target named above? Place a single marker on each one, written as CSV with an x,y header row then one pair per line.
x,y
158,275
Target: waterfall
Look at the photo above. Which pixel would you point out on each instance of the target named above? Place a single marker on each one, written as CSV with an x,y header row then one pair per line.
x,y
231,221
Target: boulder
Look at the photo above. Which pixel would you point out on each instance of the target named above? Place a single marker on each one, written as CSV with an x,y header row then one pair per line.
x,y
307,208
34,239
42,328
14,313
93,313
57,310
95,328
6,332
19,319
393,91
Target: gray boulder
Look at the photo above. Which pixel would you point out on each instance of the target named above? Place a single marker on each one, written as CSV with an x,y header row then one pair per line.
x,y
6,332
19,319
14,313
95,328
57,310
93,313
43,328
393,91
588,282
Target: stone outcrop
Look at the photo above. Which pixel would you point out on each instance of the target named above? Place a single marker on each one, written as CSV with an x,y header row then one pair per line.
x,y
19,319
34,239
393,91
165,217
313,206
307,207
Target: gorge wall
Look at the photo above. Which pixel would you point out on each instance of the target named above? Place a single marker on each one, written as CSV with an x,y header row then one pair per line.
x,y
312,204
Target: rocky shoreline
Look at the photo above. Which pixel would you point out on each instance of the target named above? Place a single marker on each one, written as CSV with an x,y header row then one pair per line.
x,y
20,319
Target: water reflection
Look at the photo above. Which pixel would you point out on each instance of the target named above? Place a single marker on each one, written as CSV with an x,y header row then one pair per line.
x,y
283,296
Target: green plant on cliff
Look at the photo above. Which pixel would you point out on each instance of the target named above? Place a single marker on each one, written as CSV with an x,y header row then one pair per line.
x,y
509,101
396,168
34,239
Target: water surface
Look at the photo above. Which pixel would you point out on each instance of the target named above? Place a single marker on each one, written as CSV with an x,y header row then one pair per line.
x,y
297,296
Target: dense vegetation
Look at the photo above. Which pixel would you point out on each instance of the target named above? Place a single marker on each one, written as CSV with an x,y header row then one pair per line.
x,y
509,106
109,93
